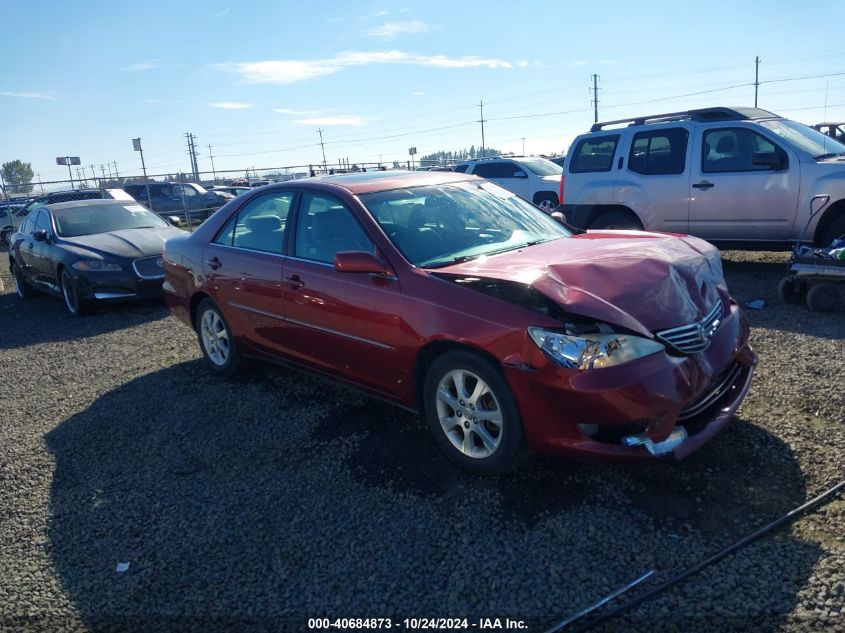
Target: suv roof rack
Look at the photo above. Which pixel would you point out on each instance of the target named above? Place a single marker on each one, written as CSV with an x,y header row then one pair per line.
x,y
702,115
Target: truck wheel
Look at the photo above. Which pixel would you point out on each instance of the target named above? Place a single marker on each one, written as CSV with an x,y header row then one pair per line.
x,y
616,220
789,290
833,232
823,297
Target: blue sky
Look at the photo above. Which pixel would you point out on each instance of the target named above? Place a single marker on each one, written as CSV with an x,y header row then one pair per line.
x,y
256,79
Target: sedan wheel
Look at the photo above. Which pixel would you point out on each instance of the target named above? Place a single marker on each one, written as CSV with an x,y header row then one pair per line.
x,y
24,290
472,413
216,340
73,302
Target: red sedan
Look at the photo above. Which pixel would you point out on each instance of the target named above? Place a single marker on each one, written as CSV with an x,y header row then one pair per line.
x,y
449,295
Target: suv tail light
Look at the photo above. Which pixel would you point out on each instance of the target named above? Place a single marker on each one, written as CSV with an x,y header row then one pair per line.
x,y
560,196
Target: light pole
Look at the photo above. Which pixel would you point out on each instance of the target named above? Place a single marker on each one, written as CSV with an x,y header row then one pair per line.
x,y
136,145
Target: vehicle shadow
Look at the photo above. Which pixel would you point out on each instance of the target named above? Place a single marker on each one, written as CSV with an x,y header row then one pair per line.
x,y
278,497
44,319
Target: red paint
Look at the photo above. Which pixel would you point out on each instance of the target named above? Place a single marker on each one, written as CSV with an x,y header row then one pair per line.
x,y
369,329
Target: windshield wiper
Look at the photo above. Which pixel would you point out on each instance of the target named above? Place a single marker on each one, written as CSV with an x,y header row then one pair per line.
x,y
465,258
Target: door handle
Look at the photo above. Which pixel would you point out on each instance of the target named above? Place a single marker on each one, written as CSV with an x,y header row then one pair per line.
x,y
214,263
294,282
704,184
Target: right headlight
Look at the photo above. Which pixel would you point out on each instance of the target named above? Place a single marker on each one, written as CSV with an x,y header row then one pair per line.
x,y
592,351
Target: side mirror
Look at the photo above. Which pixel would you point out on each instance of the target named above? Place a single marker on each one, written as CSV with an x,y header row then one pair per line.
x,y
519,174
360,262
767,159
40,235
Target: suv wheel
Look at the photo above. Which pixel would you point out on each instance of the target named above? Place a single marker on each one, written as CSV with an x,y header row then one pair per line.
x,y
616,220
472,413
546,201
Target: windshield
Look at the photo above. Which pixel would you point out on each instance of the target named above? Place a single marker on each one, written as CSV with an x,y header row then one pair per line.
x,y
439,225
542,167
84,220
812,141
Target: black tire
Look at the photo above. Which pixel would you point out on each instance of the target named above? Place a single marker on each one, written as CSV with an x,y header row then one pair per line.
x,y
833,232
790,290
24,290
74,303
546,201
616,220
823,297
510,442
233,363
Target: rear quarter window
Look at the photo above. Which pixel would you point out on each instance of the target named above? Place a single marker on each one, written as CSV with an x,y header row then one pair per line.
x,y
593,154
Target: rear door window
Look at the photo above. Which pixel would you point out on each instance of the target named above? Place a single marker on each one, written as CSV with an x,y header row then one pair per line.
x,y
659,152
594,154
326,227
260,224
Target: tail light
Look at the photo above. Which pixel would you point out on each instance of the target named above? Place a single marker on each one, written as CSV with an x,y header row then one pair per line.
x,y
560,196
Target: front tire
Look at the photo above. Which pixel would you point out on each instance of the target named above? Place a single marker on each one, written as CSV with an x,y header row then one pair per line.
x,y
472,413
216,340
789,290
74,302
22,287
615,221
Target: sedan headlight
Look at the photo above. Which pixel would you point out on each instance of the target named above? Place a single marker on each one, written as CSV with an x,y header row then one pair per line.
x,y
592,351
96,265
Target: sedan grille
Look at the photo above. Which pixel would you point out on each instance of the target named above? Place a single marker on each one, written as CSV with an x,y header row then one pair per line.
x,y
695,337
149,267
717,389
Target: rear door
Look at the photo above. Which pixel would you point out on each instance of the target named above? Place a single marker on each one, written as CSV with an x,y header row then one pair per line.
x,y
737,193
42,263
341,323
23,245
655,181
244,266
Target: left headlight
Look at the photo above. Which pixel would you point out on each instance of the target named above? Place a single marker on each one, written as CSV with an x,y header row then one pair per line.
x,y
592,351
96,265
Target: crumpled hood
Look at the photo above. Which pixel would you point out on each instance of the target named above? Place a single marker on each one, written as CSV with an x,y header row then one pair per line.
x,y
130,243
642,281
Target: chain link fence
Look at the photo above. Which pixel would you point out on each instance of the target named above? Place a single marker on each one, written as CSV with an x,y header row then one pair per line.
x,y
185,199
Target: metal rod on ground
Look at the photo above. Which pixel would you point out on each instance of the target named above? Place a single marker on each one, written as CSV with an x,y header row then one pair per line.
x,y
599,603
786,518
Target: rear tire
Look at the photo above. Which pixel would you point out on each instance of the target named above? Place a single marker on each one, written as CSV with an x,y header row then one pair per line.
x,y
218,345
546,201
24,290
616,221
472,413
823,297
75,304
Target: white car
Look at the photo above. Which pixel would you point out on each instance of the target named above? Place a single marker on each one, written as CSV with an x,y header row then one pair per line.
x,y
534,179
738,176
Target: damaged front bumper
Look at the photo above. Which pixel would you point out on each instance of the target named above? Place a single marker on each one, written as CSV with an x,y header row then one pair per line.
x,y
661,406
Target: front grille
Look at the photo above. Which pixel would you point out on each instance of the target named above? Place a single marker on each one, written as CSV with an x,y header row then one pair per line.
x,y
719,388
149,267
695,337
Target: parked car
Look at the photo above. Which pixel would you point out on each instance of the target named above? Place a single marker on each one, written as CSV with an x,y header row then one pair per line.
x,y
534,179
558,160
447,294
833,130
69,195
89,252
174,197
740,176
234,191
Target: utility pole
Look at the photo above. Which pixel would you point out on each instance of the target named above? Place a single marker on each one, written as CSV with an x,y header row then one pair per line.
x,y
192,153
93,173
322,147
116,175
756,78
595,98
523,146
482,120
40,184
103,171
211,157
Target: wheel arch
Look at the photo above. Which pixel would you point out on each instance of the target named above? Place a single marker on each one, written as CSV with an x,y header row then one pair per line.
x,y
600,209
831,214
196,299
432,350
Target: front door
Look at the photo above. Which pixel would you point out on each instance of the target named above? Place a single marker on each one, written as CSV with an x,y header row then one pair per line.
x,y
744,186
341,323
506,174
244,266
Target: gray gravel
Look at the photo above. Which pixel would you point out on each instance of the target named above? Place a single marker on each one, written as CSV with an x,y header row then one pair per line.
x,y
256,504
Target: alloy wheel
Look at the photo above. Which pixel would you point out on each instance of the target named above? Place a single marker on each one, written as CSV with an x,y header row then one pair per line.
x,y
69,294
215,337
19,282
469,413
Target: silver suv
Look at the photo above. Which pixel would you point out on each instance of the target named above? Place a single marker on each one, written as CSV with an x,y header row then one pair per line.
x,y
534,179
733,175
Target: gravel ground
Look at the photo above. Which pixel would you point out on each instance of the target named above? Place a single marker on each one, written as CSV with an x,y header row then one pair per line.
x,y
257,504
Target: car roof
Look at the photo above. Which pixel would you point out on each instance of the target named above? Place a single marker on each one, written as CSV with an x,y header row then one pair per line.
x,y
371,181
60,206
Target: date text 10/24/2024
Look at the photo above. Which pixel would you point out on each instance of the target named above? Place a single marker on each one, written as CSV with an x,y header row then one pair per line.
x,y
417,624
